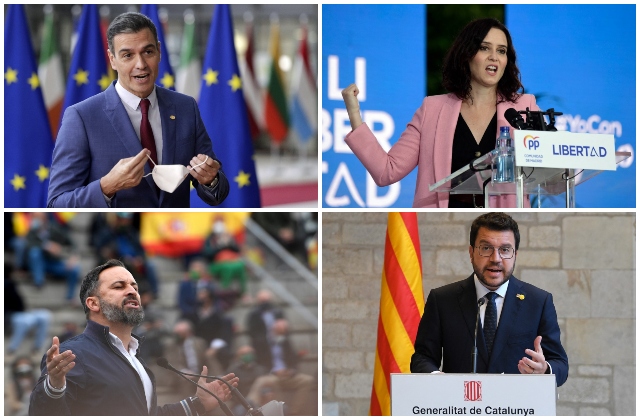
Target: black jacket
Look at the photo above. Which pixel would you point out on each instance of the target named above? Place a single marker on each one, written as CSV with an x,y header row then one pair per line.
x,y
102,382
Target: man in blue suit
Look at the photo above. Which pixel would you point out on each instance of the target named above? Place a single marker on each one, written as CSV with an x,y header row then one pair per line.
x,y
514,318
99,159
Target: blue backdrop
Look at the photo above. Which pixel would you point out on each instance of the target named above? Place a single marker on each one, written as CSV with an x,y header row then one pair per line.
x,y
382,48
581,60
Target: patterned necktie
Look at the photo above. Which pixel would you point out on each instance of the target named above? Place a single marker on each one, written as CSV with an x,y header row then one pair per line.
x,y
146,135
490,321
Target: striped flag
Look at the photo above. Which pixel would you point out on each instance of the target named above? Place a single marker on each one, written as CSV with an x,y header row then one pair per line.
x,y
165,72
401,307
190,70
253,95
304,94
276,113
224,113
51,73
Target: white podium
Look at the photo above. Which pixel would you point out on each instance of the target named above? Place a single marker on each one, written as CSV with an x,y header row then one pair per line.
x,y
546,164
423,394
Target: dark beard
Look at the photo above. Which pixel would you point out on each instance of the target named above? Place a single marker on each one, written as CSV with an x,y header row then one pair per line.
x,y
115,313
484,282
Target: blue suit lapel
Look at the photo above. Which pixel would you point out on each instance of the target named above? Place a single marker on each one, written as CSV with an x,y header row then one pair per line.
x,y
117,115
508,319
167,110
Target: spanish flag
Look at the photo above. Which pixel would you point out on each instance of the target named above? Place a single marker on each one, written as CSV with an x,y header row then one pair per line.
x,y
401,307
177,234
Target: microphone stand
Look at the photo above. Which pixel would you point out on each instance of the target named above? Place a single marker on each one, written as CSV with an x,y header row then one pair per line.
x,y
474,354
224,406
234,390
251,410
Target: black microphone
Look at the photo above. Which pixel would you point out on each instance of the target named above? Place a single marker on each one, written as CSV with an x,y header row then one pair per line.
x,y
162,362
481,302
515,119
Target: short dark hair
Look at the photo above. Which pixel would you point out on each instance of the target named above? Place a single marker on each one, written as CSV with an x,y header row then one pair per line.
x,y
500,222
456,73
129,23
89,285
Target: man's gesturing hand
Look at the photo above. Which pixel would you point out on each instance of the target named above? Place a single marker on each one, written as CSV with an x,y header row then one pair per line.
x,y
59,364
217,387
204,173
537,363
127,173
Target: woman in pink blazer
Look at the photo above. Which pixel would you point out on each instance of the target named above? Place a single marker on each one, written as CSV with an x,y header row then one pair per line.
x,y
481,75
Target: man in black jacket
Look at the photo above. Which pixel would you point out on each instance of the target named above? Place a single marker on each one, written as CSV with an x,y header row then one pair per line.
x,y
99,372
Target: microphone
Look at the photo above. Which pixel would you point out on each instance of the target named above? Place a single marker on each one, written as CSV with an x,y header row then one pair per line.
x,y
162,362
515,119
474,354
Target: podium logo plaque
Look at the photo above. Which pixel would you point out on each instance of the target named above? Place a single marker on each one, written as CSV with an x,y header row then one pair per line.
x,y
472,390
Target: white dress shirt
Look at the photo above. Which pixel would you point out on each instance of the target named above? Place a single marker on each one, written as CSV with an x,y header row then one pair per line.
x,y
130,355
481,291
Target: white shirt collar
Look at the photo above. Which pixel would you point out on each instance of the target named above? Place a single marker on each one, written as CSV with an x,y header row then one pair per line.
x,y
133,101
481,289
133,343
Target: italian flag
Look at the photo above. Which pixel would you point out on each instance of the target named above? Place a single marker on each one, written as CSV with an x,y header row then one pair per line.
x,y
276,113
51,74
190,70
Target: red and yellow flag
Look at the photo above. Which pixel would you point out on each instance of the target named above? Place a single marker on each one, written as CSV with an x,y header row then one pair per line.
x,y
401,307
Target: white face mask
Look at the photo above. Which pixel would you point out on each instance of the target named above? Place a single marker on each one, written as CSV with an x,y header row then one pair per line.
x,y
169,177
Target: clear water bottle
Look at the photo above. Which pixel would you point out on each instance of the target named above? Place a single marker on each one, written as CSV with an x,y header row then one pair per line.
x,y
504,162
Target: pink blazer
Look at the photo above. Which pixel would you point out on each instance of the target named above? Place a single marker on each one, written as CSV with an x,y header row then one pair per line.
x,y
427,143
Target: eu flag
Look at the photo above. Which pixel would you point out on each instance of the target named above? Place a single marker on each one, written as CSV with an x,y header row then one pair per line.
x,y
28,144
224,113
166,77
88,74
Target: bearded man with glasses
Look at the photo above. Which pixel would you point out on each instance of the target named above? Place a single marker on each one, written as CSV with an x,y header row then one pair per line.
x,y
518,328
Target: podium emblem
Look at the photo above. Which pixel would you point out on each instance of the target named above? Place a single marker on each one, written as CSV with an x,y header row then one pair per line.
x,y
472,390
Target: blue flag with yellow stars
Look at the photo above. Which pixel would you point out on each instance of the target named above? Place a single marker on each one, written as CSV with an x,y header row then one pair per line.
x,y
28,144
224,113
166,77
89,73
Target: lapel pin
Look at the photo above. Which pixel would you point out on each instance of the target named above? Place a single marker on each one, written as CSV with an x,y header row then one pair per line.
x,y
519,296
173,117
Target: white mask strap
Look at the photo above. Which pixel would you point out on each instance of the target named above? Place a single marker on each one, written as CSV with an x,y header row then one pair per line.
x,y
201,163
193,167
154,164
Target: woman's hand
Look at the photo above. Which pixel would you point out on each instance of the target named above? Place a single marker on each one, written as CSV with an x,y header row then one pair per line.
x,y
350,96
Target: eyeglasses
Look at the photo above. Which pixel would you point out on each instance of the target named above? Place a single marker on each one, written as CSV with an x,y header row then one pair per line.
x,y
505,252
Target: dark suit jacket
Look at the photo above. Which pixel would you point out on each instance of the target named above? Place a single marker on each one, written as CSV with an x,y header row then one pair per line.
x,y
446,331
96,133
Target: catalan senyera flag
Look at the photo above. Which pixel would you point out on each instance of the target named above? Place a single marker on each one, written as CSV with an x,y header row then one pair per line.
x,y
401,307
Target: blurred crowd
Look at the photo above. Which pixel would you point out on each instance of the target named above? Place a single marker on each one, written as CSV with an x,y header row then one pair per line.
x,y
219,322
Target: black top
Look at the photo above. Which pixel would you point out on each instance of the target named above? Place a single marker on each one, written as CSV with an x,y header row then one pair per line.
x,y
464,150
